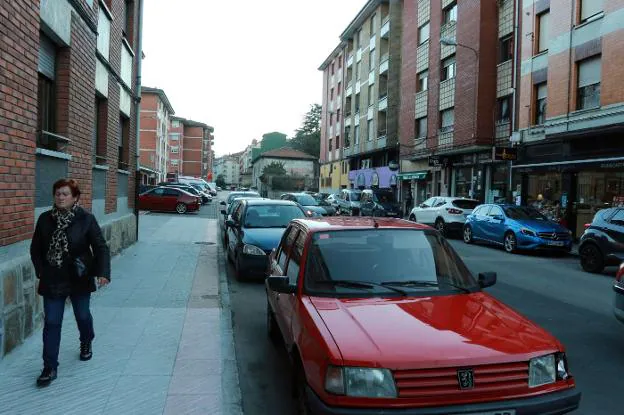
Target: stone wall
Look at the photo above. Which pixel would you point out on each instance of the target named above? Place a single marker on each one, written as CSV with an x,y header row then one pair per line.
x,y
21,309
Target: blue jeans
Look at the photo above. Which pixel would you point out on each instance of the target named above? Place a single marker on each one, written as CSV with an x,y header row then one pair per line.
x,y
54,309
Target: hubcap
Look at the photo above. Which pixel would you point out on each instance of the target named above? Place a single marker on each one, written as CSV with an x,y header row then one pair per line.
x,y
440,226
467,235
509,244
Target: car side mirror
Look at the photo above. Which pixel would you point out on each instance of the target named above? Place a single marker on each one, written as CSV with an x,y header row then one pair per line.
x,y
223,212
280,284
487,279
230,222
222,203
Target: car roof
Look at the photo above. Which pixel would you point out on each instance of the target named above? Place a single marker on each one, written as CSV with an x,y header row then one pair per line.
x,y
265,202
337,223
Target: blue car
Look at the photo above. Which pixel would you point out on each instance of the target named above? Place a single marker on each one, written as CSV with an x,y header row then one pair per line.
x,y
254,229
515,228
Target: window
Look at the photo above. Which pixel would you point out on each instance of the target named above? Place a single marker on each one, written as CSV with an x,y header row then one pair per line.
x,y
347,135
447,120
356,134
124,135
371,97
337,142
371,130
589,9
330,144
423,81
359,38
495,211
541,94
450,13
448,68
331,119
421,127
126,19
171,192
338,115
357,103
174,162
372,27
340,63
589,83
503,109
295,258
331,94
282,251
46,92
423,33
175,150
505,49
542,31
332,69
371,61
100,133
174,136
358,70
175,124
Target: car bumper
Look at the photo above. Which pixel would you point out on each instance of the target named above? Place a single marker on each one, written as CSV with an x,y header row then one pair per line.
x,y
549,404
253,265
618,303
534,243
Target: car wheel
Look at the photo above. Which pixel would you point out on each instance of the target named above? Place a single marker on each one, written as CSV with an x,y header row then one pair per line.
x,y
440,226
591,259
468,234
303,406
181,208
237,270
412,218
272,327
510,242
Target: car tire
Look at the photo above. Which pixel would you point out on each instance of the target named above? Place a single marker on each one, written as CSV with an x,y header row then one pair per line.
x,y
510,242
412,218
181,208
302,403
440,226
351,212
237,271
273,330
592,259
468,235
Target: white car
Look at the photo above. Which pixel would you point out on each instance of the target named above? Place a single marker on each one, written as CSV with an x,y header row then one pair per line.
x,y
447,214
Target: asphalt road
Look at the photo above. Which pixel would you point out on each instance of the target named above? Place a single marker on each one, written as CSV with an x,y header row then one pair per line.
x,y
552,291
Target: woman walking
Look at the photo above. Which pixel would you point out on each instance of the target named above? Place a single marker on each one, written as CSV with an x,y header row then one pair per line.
x,y
68,252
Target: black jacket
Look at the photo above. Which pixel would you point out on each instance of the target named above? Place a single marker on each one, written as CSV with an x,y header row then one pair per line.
x,y
85,242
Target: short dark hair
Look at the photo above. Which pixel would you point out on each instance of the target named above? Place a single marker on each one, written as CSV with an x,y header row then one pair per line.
x,y
71,183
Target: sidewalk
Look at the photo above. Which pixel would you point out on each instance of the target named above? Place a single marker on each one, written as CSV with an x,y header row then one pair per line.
x,y
164,342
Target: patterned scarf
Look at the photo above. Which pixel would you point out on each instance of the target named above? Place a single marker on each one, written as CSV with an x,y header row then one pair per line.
x,y
59,246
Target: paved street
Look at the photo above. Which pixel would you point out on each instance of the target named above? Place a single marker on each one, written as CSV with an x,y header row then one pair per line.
x,y
163,335
551,290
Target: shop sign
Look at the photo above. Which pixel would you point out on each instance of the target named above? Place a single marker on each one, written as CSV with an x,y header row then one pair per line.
x,y
393,180
506,153
375,180
439,161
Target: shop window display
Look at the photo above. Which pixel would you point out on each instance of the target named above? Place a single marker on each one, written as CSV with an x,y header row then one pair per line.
x,y
545,195
463,179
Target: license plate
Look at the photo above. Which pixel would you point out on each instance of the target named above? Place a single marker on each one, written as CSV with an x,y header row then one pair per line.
x,y
505,412
556,243
391,214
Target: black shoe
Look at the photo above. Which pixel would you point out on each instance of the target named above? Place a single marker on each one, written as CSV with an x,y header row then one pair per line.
x,y
46,377
85,351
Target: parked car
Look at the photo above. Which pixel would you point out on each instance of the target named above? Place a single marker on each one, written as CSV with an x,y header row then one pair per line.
x,y
379,202
382,316
516,228
618,287
226,214
447,214
234,195
310,204
145,187
602,243
349,202
187,188
332,199
168,199
254,230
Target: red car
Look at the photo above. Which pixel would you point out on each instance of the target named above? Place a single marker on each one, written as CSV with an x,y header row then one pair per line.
x,y
381,316
168,199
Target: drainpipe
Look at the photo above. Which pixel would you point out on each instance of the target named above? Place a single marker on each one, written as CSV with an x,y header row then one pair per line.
x,y
137,103
516,56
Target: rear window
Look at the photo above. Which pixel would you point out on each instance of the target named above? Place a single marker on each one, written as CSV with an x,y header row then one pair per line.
x,y
271,216
465,204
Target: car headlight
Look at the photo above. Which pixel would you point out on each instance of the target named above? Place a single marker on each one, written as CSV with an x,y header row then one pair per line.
x,y
360,382
528,232
252,250
542,371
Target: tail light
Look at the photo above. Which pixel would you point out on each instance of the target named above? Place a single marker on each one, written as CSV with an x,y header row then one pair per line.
x,y
454,211
587,225
619,277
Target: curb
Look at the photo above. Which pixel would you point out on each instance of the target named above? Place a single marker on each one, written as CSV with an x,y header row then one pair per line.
x,y
232,400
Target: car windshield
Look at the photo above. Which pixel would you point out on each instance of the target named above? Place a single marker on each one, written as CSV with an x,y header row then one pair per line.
x,y
523,213
355,196
271,216
306,200
466,203
234,195
383,197
413,260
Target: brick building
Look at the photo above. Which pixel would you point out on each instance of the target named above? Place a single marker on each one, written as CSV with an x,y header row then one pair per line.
x,y
156,112
571,109
68,108
197,156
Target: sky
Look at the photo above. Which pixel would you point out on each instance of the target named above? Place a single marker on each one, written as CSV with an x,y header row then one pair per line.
x,y
245,67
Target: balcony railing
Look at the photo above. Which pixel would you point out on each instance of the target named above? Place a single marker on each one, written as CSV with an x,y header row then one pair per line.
x,y
385,27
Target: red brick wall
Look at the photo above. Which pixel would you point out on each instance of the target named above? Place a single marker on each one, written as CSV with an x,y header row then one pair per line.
x,y
192,155
611,90
149,121
433,114
408,75
19,42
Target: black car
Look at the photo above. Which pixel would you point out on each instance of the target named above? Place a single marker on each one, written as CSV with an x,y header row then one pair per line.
x,y
602,244
255,228
379,202
234,195
311,204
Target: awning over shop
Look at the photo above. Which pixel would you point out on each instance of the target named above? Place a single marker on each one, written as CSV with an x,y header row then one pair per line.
x,y
416,175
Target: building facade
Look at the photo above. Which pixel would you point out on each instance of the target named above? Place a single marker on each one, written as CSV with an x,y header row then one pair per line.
x,y
69,107
571,110
246,165
299,169
229,167
195,155
176,147
156,112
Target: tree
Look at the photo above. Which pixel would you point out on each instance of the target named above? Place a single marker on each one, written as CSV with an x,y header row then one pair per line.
x,y
308,137
220,181
274,169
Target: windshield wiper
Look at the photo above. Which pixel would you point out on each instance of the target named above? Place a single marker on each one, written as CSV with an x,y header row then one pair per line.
x,y
416,283
367,285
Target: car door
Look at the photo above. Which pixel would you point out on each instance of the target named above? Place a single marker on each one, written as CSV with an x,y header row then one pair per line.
x,y
278,268
233,232
479,221
151,200
169,198
365,208
287,303
423,212
495,225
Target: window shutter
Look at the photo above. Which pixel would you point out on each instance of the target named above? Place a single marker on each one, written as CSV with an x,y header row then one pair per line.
x,y
589,72
47,57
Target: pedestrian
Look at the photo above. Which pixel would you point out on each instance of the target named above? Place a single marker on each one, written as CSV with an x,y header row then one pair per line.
x,y
68,252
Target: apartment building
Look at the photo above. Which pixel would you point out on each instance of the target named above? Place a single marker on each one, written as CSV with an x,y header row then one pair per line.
x,y
176,146
197,156
229,167
69,106
361,99
571,110
156,112
246,165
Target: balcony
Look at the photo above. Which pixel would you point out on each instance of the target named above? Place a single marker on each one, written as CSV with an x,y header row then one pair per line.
x,y
385,28
447,94
383,65
372,42
346,152
358,87
422,57
330,155
371,77
382,141
337,154
422,99
504,79
445,139
371,113
347,121
349,90
381,133
383,103
448,31
350,60
331,106
358,55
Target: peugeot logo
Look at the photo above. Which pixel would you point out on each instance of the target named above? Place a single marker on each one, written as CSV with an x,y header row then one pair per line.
x,y
465,378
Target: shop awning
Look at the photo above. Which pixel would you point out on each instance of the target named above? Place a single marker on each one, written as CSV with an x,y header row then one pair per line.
x,y
416,175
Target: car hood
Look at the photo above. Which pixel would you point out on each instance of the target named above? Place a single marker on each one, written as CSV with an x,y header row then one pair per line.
x,y
264,238
431,331
541,225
